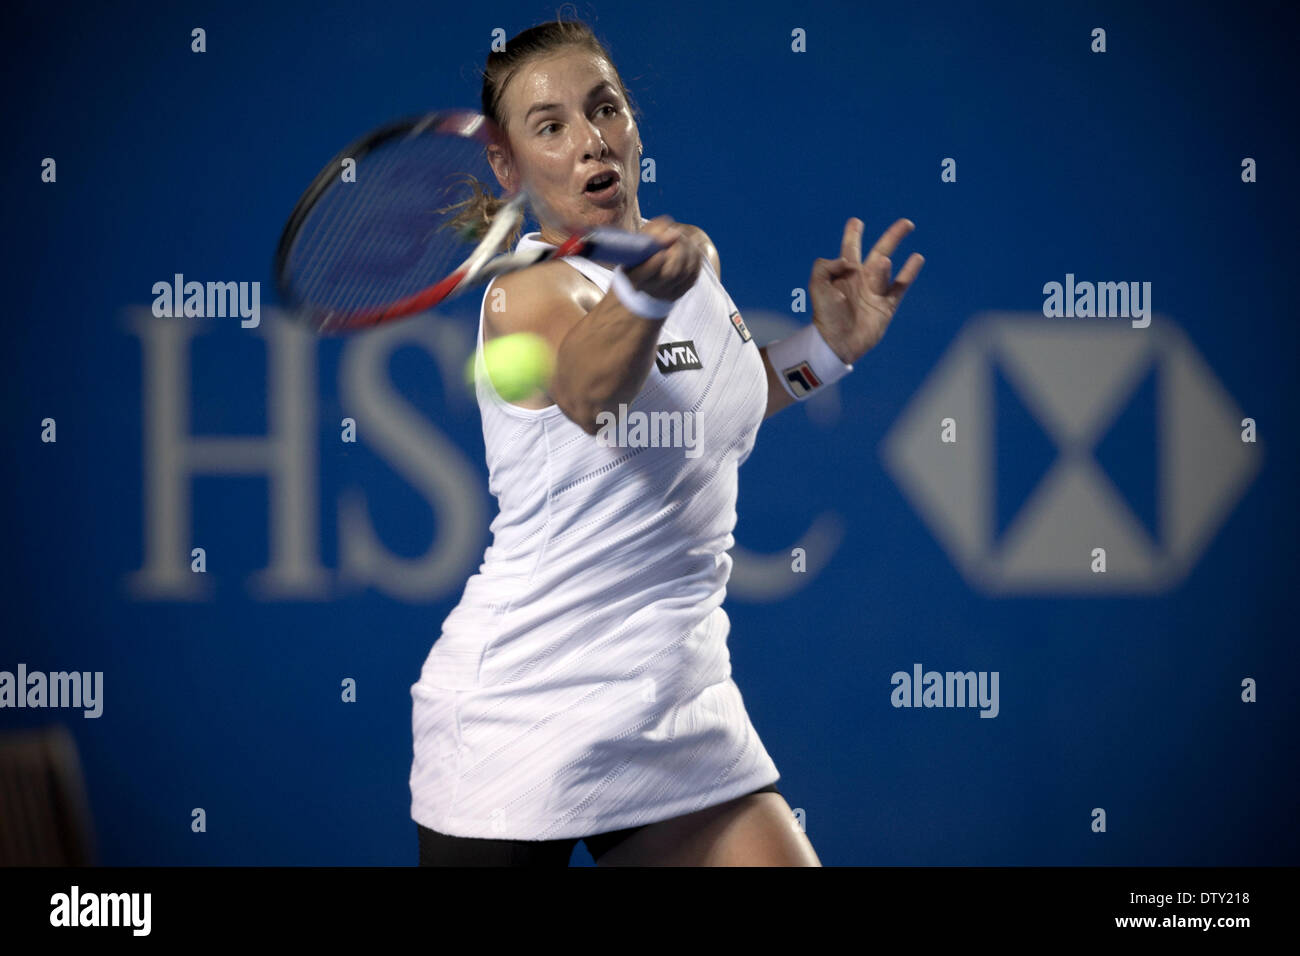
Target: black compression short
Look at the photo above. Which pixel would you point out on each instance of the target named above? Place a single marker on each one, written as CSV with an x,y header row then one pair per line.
x,y
439,849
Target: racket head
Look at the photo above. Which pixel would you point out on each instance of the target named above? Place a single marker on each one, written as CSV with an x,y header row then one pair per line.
x,y
392,239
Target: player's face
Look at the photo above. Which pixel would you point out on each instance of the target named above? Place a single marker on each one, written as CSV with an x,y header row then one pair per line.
x,y
567,121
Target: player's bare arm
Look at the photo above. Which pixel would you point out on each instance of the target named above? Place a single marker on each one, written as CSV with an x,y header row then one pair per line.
x,y
603,350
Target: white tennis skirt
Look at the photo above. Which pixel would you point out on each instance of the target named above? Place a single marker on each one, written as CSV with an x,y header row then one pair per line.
x,y
522,761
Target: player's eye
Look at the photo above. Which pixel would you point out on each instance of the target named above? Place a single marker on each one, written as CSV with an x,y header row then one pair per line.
x,y
613,110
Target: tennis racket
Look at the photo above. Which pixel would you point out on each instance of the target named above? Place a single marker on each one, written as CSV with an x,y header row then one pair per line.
x,y
394,239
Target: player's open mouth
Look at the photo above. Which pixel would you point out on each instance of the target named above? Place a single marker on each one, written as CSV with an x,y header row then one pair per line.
x,y
602,186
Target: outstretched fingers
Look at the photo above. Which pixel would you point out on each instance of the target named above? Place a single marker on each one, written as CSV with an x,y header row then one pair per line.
x,y
851,244
891,237
910,270
876,268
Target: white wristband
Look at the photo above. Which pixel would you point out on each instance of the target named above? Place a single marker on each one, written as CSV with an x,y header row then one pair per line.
x,y
636,301
805,363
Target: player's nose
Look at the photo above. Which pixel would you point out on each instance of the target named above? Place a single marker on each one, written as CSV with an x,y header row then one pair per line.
x,y
593,143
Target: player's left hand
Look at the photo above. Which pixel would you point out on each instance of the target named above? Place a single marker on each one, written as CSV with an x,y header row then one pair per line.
x,y
853,300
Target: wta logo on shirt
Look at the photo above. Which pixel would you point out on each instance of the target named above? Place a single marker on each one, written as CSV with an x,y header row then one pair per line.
x,y
676,356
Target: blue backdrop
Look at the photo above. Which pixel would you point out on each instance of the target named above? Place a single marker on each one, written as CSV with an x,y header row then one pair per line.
x,y
1161,690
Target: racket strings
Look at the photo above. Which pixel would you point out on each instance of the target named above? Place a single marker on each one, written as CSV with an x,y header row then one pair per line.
x,y
392,232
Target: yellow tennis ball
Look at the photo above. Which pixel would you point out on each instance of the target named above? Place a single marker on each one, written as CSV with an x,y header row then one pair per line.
x,y
518,364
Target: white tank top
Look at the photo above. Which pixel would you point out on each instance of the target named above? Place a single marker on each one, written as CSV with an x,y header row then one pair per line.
x,y
583,683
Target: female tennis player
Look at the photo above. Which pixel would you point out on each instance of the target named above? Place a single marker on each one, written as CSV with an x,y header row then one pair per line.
x,y
582,689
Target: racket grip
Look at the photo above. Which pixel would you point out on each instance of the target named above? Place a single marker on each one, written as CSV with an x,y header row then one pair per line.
x,y
624,248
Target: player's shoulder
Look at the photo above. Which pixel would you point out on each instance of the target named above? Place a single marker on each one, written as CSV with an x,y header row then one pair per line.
x,y
529,299
706,245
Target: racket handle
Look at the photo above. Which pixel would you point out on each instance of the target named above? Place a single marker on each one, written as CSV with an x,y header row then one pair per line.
x,y
624,248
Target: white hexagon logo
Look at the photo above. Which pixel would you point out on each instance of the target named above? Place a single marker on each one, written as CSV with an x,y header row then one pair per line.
x,y
1075,377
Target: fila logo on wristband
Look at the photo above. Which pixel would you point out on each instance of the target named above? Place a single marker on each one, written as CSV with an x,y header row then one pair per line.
x,y
807,364
802,379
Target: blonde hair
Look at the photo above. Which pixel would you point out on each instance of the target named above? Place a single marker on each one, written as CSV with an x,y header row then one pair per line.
x,y
474,214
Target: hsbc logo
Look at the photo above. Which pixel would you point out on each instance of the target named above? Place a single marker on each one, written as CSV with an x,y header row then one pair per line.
x,y
676,357
292,462
1075,382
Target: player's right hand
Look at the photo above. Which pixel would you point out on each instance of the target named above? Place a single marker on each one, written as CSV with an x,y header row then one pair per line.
x,y
670,272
